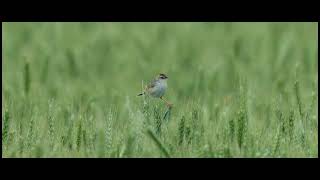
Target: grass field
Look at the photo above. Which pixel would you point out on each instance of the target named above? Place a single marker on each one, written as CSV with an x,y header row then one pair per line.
x,y
238,89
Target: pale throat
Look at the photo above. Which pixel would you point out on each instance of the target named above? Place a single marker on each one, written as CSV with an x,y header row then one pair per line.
x,y
163,82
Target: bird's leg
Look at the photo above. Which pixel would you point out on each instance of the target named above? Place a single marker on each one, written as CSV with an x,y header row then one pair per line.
x,y
168,104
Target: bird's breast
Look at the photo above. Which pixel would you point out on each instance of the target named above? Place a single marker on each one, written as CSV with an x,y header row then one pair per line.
x,y
158,90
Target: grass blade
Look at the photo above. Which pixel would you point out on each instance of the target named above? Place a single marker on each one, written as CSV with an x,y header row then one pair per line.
x,y
158,143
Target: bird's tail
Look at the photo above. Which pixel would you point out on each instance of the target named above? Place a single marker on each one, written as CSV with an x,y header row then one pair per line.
x,y
141,94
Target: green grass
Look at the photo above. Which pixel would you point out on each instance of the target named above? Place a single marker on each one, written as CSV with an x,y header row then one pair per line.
x,y
238,89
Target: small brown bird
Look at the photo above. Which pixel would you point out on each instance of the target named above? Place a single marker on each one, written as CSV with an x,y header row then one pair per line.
x,y
157,88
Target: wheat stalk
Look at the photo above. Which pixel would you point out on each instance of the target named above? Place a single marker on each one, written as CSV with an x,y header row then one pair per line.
x,y
158,143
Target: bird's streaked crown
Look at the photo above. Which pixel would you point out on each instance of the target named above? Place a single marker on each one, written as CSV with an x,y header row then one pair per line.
x,y
163,76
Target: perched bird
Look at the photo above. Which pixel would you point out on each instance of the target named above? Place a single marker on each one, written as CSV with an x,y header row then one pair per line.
x,y
157,88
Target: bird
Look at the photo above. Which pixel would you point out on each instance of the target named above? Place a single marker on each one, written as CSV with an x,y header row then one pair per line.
x,y
157,88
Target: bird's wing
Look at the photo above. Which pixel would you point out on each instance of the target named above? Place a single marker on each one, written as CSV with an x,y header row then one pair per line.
x,y
152,84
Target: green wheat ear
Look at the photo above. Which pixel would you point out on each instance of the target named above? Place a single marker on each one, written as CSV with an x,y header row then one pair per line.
x,y
30,135
231,129
158,120
242,114
181,130
5,129
167,114
79,140
291,124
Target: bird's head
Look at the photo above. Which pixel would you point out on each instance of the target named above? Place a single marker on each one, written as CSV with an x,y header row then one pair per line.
x,y
162,76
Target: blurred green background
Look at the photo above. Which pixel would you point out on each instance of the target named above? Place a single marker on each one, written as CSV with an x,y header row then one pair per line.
x,y
83,69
